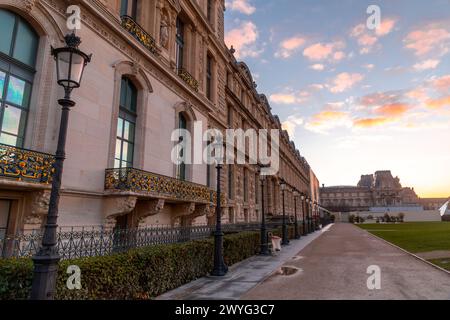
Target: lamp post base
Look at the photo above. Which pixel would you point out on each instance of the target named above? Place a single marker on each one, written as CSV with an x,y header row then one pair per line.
x,y
220,268
44,276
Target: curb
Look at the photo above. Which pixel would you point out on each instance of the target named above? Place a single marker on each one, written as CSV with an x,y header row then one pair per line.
x,y
405,251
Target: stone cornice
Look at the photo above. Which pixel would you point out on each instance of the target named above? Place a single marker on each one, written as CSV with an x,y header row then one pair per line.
x,y
107,25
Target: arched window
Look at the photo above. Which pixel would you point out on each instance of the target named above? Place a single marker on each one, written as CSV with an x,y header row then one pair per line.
x,y
18,48
181,168
126,125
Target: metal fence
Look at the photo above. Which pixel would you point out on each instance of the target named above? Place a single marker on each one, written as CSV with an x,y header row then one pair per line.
x,y
96,241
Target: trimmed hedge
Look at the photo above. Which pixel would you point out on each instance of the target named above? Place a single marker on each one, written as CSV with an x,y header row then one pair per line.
x,y
141,273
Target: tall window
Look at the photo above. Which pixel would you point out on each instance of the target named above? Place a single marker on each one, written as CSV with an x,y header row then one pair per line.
x,y
18,48
245,183
181,168
180,43
126,125
128,8
230,182
257,191
209,77
230,117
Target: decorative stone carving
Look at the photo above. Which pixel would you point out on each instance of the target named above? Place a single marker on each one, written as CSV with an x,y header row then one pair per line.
x,y
118,206
39,202
148,208
164,31
182,210
28,5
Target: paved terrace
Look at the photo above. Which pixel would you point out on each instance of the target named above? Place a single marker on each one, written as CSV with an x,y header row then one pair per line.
x,y
241,277
332,264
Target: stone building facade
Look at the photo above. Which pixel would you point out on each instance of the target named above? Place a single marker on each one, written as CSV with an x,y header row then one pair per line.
x,y
157,66
375,190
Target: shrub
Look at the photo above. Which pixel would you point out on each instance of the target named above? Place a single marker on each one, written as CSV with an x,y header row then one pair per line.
x,y
140,273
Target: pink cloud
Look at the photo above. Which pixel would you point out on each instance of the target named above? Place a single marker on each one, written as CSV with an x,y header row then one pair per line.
x,y
442,84
432,38
242,6
289,46
426,65
386,26
345,81
317,67
243,39
367,39
322,51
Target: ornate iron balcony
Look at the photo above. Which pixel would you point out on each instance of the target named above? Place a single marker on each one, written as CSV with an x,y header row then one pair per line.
x,y
139,33
158,186
188,78
26,165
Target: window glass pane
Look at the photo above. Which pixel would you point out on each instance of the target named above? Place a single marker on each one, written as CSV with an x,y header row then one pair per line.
x,y
8,139
124,150
16,91
2,83
116,163
7,21
120,127
125,164
123,93
13,120
118,148
129,154
26,44
129,131
133,97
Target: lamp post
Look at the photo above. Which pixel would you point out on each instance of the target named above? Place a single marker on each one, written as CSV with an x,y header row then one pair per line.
x,y
285,240
297,234
264,245
220,269
316,216
303,214
308,213
70,64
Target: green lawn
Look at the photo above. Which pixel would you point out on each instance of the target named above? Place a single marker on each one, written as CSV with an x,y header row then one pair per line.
x,y
414,236
443,263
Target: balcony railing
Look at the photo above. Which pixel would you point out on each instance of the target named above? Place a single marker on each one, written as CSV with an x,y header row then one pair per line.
x,y
188,78
26,165
158,186
139,33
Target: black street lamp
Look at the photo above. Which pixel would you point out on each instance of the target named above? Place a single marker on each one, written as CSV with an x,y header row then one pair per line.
x,y
303,213
285,240
264,245
297,234
70,64
308,206
220,268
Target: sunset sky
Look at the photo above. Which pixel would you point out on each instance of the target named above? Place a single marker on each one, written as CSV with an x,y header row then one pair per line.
x,y
355,100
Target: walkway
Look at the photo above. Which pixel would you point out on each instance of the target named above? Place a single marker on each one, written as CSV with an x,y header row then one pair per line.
x,y
241,277
334,267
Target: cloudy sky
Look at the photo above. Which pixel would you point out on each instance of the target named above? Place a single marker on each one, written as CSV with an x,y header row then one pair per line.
x,y
355,100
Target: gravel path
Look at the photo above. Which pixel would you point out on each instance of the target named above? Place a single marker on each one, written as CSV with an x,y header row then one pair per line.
x,y
334,266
